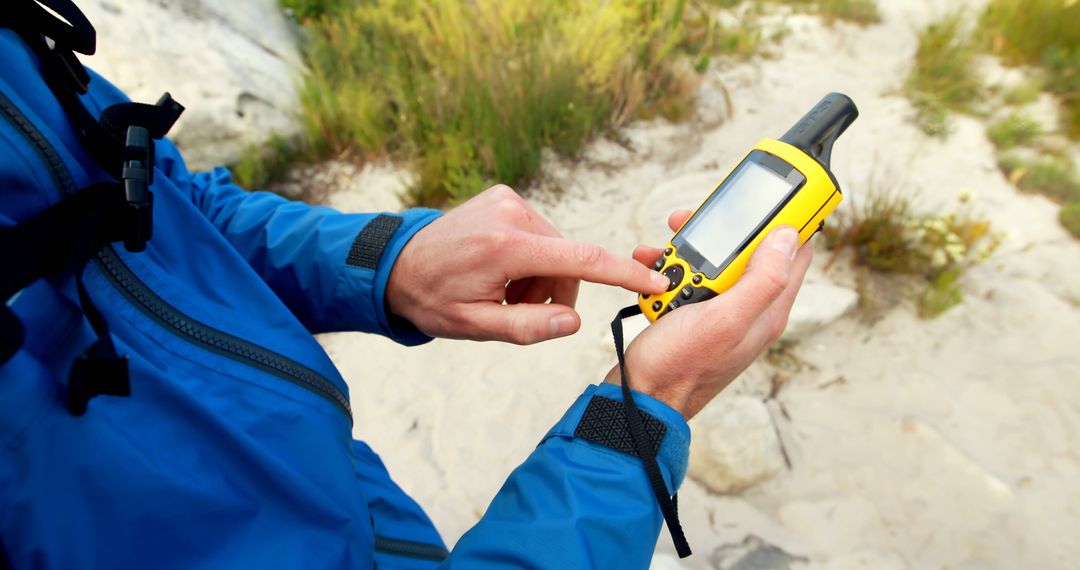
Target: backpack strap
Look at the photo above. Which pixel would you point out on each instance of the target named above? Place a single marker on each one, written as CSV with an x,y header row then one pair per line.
x,y
65,236
62,239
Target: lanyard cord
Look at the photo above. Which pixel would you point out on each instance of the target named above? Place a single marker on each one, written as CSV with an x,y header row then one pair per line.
x,y
669,506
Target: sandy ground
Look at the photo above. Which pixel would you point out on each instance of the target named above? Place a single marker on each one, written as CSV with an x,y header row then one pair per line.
x,y
949,442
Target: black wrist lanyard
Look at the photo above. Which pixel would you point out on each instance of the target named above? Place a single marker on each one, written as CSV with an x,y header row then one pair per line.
x,y
669,506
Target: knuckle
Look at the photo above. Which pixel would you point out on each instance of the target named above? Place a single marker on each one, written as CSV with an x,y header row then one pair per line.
x,y
519,329
510,209
776,278
504,192
588,255
499,240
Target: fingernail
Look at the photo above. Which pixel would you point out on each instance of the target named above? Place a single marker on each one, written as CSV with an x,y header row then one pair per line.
x,y
660,281
562,325
786,239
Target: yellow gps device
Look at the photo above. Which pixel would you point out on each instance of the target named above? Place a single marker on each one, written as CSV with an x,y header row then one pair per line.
x,y
785,181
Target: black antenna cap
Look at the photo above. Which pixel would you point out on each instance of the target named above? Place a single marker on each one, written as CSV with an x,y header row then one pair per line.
x,y
816,132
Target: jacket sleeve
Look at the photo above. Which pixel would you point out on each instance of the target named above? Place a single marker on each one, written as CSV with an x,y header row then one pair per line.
x,y
578,501
331,269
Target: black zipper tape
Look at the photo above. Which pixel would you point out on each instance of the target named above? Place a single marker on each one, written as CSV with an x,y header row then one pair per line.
x,y
161,312
410,549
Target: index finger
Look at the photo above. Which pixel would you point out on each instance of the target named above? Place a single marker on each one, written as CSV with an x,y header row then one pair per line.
x,y
556,257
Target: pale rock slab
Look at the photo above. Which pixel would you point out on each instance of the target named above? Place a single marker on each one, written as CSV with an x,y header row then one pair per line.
x,y
818,304
233,65
735,445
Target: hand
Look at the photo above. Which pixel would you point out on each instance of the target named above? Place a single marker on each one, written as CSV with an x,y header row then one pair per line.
x,y
687,357
486,270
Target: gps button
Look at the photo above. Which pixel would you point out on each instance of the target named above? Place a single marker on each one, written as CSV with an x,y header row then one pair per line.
x,y
675,274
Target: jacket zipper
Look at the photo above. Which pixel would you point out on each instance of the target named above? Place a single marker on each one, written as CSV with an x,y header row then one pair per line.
x,y
410,549
161,312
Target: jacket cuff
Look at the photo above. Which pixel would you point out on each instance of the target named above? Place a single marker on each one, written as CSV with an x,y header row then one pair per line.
x,y
361,289
594,420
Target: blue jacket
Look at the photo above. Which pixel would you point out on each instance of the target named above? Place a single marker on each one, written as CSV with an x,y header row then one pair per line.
x,y
234,449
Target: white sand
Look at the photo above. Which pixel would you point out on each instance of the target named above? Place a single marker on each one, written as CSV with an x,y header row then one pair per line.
x,y
951,442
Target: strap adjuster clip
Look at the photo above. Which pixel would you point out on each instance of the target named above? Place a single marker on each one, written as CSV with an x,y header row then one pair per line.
x,y
137,175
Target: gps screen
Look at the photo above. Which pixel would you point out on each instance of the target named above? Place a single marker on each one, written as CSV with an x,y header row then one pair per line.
x,y
733,212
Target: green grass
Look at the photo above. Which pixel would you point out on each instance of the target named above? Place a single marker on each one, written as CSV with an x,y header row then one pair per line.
x,y
887,236
1051,176
470,93
1070,218
942,78
1015,130
857,11
1043,33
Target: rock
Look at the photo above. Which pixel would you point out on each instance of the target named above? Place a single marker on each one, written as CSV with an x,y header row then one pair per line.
x,y
233,65
735,445
753,554
818,304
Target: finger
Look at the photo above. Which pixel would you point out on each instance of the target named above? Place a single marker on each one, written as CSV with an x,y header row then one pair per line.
x,y
540,291
565,292
515,290
553,257
523,323
767,276
768,327
646,255
677,219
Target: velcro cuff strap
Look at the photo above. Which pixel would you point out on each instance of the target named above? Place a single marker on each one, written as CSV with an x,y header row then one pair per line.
x,y
368,247
604,422
598,416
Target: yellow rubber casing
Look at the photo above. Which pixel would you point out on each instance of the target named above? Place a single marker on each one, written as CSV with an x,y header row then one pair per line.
x,y
805,211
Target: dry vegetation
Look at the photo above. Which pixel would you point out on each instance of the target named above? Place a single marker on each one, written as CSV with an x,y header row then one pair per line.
x,y
471,93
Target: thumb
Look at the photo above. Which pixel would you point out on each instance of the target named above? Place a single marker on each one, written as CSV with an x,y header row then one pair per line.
x,y
524,323
766,276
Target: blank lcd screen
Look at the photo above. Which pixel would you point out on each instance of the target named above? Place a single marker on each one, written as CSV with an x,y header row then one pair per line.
x,y
735,211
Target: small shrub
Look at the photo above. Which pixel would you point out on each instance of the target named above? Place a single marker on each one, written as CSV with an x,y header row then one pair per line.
x,y
887,236
1051,176
1070,218
1045,33
1015,130
942,78
472,92
1022,93
861,12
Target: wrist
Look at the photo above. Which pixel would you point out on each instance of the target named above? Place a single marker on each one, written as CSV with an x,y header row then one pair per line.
x,y
672,394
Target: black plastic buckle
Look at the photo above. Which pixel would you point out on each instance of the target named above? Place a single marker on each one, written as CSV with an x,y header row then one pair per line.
x,y
137,176
93,376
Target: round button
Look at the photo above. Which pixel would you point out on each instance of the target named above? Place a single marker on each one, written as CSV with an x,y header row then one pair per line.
x,y
673,305
675,275
657,306
687,292
645,296
659,264
669,251
697,280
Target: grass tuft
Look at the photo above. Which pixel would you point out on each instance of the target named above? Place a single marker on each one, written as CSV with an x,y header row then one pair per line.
x,y
861,12
1015,130
942,79
471,93
1048,175
887,236
1044,33
1070,218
